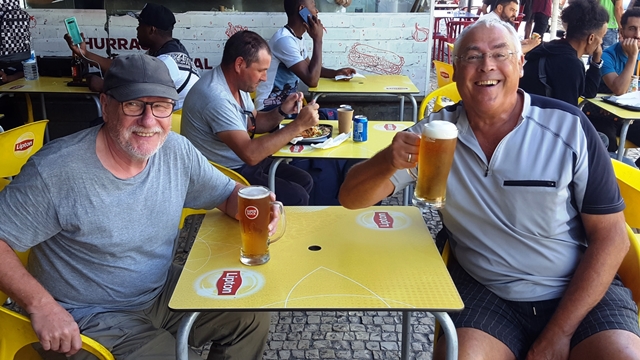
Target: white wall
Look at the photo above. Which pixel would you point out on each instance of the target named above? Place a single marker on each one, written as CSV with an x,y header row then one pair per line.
x,y
370,42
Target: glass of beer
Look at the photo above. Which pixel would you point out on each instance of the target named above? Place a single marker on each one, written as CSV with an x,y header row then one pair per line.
x,y
437,146
254,208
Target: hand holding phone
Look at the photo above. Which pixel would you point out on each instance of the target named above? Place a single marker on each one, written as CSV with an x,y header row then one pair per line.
x,y
73,30
305,13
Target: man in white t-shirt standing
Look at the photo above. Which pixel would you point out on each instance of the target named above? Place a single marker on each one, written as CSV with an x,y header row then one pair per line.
x,y
290,62
155,28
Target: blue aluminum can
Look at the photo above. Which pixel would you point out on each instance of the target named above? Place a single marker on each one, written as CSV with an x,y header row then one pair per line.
x,y
360,123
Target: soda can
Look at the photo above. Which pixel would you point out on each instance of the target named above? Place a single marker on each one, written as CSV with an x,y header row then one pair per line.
x,y
633,86
360,123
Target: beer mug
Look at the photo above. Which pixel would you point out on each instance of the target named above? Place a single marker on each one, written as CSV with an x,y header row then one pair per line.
x,y
437,146
254,207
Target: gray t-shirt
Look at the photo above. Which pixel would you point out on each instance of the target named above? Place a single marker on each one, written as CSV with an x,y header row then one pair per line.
x,y
210,108
100,243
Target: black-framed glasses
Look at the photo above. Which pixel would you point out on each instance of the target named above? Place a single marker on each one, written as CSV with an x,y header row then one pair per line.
x,y
159,109
252,129
476,58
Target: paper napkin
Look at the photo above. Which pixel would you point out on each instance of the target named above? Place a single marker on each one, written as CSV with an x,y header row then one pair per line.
x,y
343,77
632,99
332,142
296,139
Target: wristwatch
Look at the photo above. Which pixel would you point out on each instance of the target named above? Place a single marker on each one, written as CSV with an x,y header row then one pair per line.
x,y
598,64
284,114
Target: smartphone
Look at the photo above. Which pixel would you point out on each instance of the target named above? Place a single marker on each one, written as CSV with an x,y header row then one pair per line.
x,y
73,30
305,13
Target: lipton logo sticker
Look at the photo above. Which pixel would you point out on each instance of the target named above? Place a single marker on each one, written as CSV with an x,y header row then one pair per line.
x,y
228,283
390,127
383,220
444,74
251,212
24,145
296,149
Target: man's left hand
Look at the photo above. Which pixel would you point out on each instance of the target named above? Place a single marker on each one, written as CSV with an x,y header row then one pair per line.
x,y
275,215
290,104
550,348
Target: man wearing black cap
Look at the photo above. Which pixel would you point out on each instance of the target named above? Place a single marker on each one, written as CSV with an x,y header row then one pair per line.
x,y
155,27
99,210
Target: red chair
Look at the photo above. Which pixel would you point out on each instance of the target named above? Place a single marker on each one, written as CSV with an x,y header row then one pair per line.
x,y
454,28
516,24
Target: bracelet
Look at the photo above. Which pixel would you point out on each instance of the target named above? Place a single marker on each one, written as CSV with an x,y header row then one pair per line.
x,y
284,114
598,64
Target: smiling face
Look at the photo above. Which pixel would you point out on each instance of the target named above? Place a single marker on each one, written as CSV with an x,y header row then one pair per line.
x,y
488,84
135,137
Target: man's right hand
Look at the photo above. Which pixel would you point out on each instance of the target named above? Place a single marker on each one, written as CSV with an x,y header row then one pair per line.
x,y
403,144
630,47
56,329
315,28
308,116
79,49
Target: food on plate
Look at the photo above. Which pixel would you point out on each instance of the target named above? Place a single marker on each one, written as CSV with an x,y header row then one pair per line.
x,y
316,131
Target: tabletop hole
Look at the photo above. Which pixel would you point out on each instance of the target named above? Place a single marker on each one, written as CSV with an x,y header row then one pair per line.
x,y
315,248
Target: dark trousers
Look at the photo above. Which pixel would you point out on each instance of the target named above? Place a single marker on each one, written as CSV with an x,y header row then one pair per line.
x,y
610,125
293,185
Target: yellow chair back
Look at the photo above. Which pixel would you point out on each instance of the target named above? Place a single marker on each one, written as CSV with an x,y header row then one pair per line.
x,y
444,73
17,145
449,91
629,270
176,121
17,335
629,182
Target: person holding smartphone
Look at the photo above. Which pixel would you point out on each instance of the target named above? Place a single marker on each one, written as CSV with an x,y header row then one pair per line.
x,y
287,48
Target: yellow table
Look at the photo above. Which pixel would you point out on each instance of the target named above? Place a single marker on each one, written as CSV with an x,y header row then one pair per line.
x,y
399,85
380,134
48,85
329,258
627,117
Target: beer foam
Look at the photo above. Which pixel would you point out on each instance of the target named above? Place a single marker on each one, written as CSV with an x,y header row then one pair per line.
x,y
438,129
254,192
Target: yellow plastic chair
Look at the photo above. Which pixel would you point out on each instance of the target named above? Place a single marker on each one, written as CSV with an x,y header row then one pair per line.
x,y
629,270
449,91
17,145
17,335
188,211
176,121
629,182
444,73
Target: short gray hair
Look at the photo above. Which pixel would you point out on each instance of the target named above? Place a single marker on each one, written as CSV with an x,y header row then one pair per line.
x,y
513,34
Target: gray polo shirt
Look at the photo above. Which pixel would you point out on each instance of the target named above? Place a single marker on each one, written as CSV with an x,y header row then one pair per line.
x,y
514,222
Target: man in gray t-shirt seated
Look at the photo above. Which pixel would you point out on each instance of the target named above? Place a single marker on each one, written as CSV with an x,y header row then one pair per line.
x,y
220,120
99,210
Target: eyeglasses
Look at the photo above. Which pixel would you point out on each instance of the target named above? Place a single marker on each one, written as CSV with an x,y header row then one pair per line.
x,y
252,129
476,58
159,109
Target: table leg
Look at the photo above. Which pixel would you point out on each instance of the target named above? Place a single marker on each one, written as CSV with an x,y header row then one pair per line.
x,y
406,336
401,107
415,107
623,138
272,173
44,116
182,338
406,195
450,334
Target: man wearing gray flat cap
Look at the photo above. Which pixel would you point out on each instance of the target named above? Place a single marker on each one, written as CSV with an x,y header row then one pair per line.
x,y
99,210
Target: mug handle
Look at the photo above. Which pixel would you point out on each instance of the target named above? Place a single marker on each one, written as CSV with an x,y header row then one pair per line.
x,y
281,224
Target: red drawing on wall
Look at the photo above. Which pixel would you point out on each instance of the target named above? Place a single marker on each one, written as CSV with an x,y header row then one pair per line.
x,y
420,34
234,29
33,22
375,60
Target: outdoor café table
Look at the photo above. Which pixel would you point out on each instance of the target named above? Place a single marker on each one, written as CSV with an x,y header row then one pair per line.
x,y
449,15
626,116
48,85
399,85
374,259
380,134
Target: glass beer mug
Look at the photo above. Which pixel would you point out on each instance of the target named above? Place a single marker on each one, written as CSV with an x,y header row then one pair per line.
x,y
437,146
254,208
